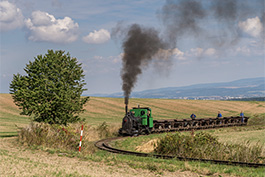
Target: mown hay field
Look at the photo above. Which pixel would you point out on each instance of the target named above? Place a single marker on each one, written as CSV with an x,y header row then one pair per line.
x,y
111,110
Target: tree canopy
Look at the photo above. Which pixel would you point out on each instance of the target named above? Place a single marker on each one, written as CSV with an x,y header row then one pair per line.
x,y
51,89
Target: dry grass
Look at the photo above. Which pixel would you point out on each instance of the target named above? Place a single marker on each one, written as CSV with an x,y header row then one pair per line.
x,y
9,116
147,147
7,105
65,138
111,110
19,161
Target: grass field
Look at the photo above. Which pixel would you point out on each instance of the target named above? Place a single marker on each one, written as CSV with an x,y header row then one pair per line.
x,y
111,110
22,161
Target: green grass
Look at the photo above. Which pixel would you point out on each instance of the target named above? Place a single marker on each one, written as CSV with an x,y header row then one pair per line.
x,y
238,136
131,143
172,165
8,134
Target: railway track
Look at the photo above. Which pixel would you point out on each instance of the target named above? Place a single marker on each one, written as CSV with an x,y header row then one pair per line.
x,y
104,145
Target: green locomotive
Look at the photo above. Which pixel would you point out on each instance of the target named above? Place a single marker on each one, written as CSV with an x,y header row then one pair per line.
x,y
137,121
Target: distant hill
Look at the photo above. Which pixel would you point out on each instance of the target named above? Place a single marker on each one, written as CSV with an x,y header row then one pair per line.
x,y
243,88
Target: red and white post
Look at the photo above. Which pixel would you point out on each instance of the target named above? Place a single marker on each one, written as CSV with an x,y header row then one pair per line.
x,y
81,138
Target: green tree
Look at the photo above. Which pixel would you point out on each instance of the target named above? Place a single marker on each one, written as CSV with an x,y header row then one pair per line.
x,y
51,89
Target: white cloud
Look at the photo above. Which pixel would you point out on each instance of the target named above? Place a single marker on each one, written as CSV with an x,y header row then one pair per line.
x,y
98,65
200,52
175,53
45,27
210,52
251,26
243,51
99,58
10,16
197,52
109,59
178,54
117,59
97,37
39,18
249,50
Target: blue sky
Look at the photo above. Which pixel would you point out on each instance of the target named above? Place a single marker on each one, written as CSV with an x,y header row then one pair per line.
x,y
83,28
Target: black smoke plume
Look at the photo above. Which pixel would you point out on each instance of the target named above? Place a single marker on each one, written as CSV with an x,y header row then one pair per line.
x,y
181,18
140,46
225,9
186,18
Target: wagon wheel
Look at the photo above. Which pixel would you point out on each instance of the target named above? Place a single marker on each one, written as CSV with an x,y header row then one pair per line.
x,y
207,124
188,126
169,127
160,127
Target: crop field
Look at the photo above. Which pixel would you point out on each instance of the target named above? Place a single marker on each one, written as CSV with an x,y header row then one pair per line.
x,y
21,160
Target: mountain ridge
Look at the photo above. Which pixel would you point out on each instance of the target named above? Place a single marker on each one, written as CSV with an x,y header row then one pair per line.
x,y
242,88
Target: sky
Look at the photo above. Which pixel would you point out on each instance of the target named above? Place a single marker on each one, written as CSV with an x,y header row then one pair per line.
x,y
217,51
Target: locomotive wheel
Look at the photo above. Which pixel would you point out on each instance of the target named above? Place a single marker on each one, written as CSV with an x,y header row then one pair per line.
x,y
120,131
136,134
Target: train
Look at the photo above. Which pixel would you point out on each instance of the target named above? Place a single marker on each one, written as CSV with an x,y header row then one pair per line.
x,y
139,121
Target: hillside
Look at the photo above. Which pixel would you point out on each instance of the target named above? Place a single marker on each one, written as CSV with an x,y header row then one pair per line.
x,y
244,88
111,110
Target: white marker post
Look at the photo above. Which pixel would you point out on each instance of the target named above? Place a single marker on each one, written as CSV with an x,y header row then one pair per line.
x,y
81,138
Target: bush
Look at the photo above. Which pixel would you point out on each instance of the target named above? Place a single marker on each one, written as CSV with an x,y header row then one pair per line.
x,y
103,130
49,136
64,137
205,146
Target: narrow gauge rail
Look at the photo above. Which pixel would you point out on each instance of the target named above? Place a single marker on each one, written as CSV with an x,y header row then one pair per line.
x,y
104,145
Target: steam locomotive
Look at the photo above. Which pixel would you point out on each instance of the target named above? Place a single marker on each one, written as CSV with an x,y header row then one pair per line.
x,y
139,120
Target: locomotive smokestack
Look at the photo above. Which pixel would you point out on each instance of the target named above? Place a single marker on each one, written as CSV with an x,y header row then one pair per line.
x,y
126,108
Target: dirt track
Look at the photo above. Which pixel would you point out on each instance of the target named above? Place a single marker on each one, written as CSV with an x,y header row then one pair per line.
x,y
18,161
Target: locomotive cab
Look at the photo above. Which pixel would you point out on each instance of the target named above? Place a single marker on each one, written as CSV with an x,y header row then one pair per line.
x,y
137,121
145,114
